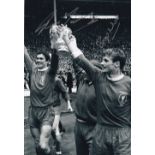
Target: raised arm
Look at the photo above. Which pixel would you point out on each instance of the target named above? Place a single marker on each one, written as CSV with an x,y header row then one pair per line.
x,y
27,60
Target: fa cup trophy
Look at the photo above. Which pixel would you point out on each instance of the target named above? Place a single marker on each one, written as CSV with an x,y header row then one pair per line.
x,y
56,40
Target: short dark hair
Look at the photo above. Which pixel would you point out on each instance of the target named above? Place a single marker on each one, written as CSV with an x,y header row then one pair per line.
x,y
117,55
46,55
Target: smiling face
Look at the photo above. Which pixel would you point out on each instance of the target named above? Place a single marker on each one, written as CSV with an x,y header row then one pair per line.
x,y
41,61
113,60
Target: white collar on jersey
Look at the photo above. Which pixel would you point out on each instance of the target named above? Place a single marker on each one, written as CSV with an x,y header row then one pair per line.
x,y
116,78
43,69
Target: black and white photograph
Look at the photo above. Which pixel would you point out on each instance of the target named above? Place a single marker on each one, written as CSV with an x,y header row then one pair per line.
x,y
88,73
77,77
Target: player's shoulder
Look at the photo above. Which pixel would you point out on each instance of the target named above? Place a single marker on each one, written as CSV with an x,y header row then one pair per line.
x,y
127,79
34,67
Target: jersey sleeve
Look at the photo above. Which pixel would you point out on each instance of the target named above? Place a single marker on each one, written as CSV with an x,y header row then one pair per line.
x,y
90,69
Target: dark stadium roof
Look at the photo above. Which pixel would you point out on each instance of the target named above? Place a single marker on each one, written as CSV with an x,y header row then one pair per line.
x,y
32,6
